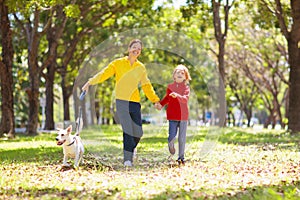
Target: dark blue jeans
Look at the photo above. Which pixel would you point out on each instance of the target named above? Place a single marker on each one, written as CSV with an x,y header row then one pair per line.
x,y
129,114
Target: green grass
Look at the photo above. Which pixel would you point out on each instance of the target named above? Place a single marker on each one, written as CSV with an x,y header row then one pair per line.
x,y
241,164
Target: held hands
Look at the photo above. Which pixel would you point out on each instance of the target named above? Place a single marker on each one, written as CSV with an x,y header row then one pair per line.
x,y
158,106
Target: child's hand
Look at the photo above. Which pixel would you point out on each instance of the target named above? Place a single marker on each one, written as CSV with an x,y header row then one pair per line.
x,y
158,106
173,94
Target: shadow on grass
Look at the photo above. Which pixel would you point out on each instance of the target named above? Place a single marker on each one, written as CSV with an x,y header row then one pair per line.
x,y
250,137
40,154
281,139
22,137
54,155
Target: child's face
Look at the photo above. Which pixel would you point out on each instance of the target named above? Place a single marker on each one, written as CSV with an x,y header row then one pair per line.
x,y
135,49
179,76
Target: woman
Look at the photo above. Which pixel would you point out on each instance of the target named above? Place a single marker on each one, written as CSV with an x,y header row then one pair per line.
x,y
129,74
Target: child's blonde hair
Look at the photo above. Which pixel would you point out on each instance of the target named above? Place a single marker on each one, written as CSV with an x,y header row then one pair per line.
x,y
186,72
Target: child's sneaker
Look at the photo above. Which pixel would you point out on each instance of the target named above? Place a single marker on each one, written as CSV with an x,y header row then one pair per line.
x,y
171,147
127,163
181,161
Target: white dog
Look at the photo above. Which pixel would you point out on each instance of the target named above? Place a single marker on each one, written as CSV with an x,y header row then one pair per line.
x,y
72,146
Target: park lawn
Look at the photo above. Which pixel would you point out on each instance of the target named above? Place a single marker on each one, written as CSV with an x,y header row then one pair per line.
x,y
226,163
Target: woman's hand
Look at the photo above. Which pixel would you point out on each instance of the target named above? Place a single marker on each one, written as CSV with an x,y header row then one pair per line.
x,y
86,87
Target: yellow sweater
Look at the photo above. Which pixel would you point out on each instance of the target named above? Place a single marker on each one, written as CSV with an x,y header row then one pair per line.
x,y
128,77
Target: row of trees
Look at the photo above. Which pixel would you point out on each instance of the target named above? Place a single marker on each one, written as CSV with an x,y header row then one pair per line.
x,y
256,50
52,39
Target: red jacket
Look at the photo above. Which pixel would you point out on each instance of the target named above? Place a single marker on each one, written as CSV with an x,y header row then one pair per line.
x,y
177,107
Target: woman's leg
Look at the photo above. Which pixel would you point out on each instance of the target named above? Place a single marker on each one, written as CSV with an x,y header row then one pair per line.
x,y
129,143
136,116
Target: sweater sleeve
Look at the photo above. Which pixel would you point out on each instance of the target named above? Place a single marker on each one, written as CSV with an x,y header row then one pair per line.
x,y
166,99
185,97
148,88
104,74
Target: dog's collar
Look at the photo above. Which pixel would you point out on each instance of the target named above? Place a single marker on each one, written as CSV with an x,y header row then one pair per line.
x,y
72,142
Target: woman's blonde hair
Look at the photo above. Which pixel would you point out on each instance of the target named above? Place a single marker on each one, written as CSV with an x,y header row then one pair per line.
x,y
186,72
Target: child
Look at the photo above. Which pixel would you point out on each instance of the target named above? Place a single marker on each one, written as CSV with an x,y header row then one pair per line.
x,y
176,98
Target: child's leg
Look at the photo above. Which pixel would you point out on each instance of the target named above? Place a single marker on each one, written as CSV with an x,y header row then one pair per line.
x,y
182,139
173,126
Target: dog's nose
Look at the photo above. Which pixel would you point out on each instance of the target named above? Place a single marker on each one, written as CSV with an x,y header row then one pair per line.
x,y
56,139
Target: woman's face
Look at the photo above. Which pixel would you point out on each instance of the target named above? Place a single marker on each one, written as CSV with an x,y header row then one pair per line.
x,y
135,50
179,76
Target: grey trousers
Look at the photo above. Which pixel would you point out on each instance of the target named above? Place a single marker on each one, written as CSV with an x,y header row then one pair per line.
x,y
129,114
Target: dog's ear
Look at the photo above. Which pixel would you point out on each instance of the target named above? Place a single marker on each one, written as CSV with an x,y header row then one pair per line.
x,y
69,129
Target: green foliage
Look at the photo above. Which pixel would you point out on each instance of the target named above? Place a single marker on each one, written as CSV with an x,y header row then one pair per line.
x,y
263,13
198,12
72,11
124,2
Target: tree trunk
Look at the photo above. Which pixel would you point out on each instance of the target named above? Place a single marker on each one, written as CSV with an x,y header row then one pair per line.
x,y
49,123
267,121
33,39
294,60
33,94
53,35
294,103
277,107
7,107
248,112
50,65
293,40
221,39
66,93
